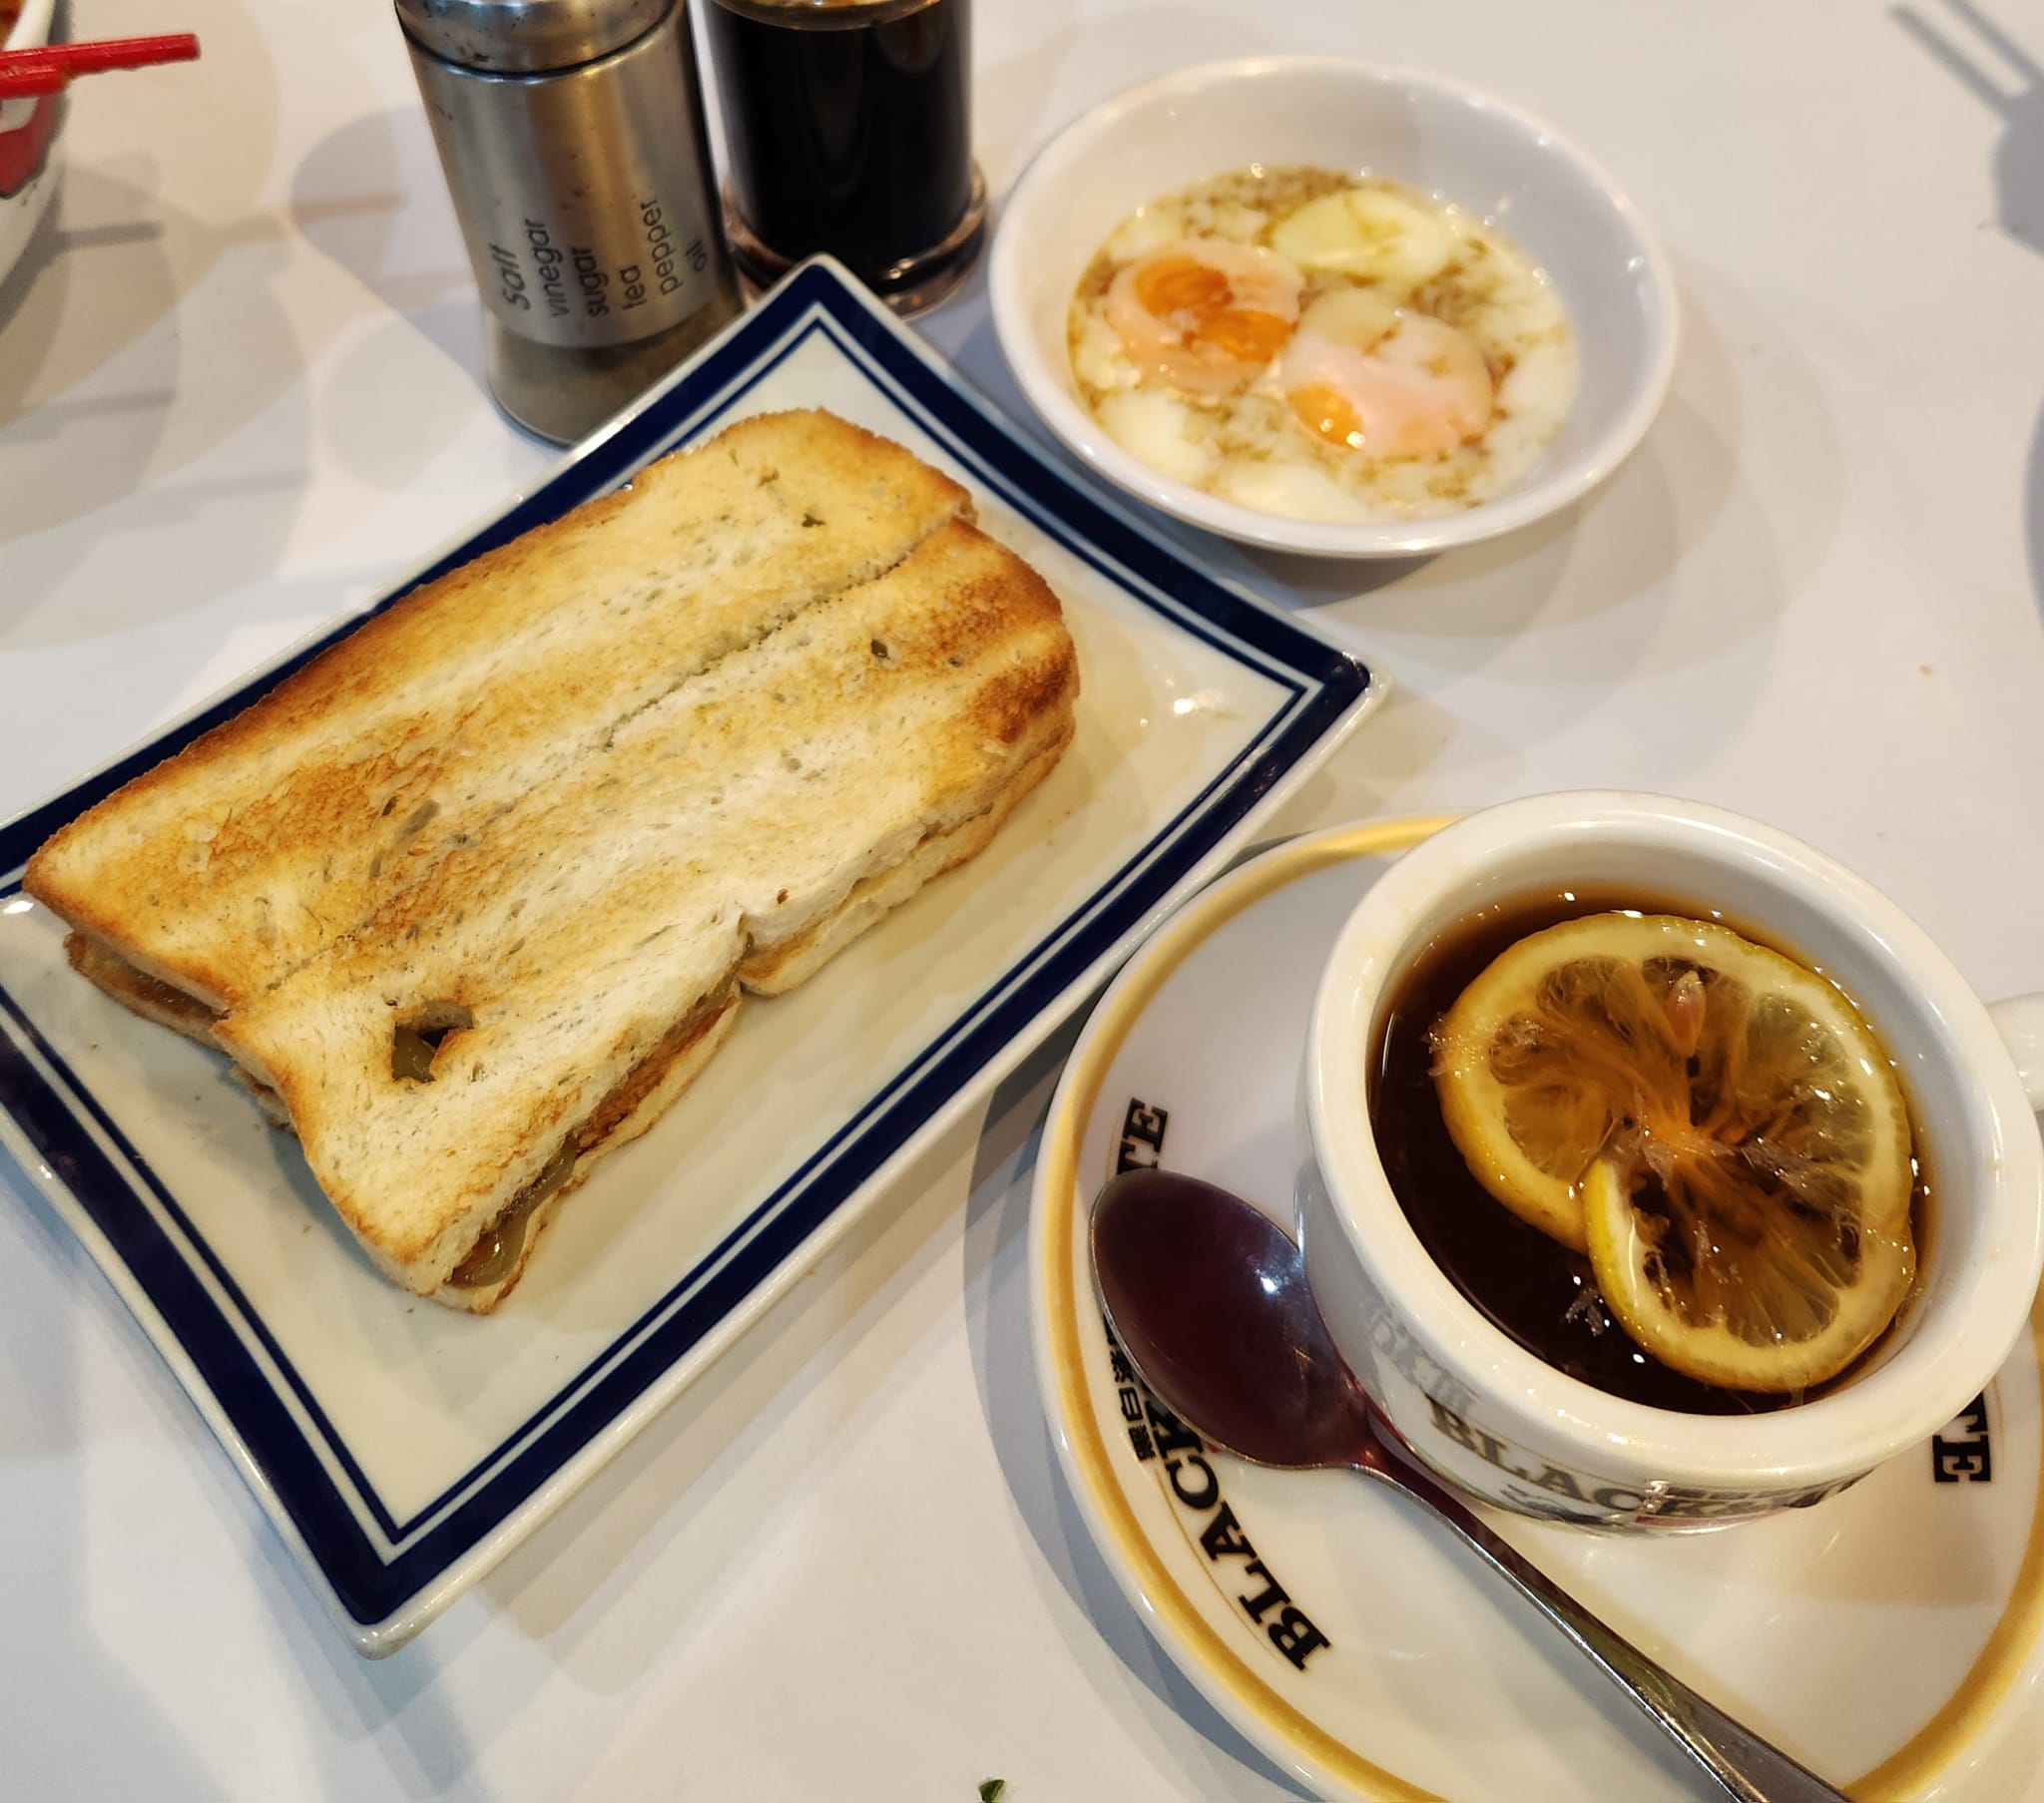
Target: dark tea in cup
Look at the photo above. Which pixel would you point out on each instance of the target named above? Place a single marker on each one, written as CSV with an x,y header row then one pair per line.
x,y
1658,1153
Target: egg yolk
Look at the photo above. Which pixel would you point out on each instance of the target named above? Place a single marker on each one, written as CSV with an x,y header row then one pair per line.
x,y
1205,315
1178,285
1390,384
1323,409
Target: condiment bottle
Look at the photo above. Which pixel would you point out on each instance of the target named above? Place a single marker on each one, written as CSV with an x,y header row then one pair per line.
x,y
572,136
847,126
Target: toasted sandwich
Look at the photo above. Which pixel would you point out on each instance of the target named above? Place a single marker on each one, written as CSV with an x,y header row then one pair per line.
x,y
458,1022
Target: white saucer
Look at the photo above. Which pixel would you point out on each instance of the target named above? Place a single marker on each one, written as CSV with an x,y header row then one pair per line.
x,y
1883,1637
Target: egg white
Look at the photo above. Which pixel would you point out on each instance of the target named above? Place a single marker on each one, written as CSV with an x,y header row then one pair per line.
x,y
1164,431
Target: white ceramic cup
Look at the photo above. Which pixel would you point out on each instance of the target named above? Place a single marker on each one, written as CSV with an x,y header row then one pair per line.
x,y
1499,1420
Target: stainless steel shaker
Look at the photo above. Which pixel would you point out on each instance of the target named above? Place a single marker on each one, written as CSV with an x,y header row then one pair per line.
x,y
572,135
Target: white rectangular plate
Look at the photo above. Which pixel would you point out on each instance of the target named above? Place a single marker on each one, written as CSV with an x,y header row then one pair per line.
x,y
400,1447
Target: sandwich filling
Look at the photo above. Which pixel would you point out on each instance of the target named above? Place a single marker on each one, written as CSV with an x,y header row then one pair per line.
x,y
496,1252
150,996
500,1245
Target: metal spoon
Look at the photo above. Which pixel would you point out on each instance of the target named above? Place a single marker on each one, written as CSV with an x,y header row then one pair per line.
x,y
1208,1298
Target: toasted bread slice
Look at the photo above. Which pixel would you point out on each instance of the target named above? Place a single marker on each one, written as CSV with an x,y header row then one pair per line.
x,y
740,828
222,870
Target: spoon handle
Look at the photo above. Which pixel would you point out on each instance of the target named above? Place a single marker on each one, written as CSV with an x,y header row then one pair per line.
x,y
1750,1768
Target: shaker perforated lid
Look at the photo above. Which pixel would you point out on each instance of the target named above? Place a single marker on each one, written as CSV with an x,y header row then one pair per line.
x,y
526,37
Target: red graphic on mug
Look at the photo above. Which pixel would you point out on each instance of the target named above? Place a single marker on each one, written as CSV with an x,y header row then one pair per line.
x,y
24,150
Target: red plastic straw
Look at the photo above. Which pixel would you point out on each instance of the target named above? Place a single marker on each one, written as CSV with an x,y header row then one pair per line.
x,y
25,82
47,69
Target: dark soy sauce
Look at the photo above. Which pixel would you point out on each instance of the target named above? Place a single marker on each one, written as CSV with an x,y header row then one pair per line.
x,y
1532,1287
848,126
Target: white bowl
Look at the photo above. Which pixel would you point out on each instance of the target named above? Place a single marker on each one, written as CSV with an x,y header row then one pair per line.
x,y
28,129
1430,134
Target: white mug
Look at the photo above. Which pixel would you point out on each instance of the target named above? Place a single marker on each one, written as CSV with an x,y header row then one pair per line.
x,y
1493,1417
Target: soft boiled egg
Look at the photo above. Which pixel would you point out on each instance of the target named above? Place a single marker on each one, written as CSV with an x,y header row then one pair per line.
x,y
1320,344
1204,314
1387,382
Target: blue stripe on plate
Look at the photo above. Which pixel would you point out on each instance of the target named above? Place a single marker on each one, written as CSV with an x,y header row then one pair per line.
x,y
1319,684
63,1141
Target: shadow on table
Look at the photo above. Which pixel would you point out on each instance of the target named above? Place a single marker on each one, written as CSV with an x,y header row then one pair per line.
x,y
107,397
1116,49
2019,157
2018,172
2033,512
59,1668
1676,574
356,199
105,324
997,1286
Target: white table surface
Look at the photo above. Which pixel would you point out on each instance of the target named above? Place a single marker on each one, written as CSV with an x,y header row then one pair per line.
x,y
239,389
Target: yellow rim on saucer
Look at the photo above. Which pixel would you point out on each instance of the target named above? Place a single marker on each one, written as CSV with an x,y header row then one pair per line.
x,y
1910,1766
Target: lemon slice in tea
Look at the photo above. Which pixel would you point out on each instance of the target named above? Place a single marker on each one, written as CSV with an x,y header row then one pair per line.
x,y
1712,1122
1740,1290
